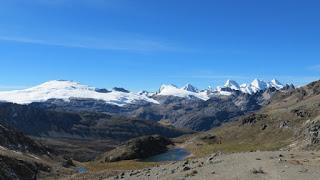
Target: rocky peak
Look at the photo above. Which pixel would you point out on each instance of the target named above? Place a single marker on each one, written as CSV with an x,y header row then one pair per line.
x,y
232,85
276,84
258,85
191,88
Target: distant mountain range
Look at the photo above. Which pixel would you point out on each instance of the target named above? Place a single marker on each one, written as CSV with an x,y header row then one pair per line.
x,y
67,90
185,107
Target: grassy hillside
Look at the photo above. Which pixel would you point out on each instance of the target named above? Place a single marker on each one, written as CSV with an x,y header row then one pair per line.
x,y
291,120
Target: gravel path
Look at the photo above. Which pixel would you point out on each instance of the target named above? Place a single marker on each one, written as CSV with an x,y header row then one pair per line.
x,y
276,165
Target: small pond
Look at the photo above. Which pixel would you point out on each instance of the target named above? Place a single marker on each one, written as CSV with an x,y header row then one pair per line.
x,y
175,154
81,170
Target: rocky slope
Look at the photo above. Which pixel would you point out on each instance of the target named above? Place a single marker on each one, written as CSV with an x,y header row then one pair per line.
x,y
20,155
250,166
289,121
86,125
12,168
17,141
201,115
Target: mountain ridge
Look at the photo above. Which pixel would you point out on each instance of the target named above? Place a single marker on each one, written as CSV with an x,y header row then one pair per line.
x,y
65,90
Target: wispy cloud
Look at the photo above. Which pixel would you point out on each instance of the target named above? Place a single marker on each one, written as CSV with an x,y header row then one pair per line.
x,y
121,44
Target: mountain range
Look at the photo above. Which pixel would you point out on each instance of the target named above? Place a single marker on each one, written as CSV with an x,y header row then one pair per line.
x,y
185,107
66,90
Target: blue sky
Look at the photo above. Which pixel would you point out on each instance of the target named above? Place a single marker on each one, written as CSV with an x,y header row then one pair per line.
x,y
141,44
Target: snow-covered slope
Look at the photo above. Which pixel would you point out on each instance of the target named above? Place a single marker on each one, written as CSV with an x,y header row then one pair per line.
x,y
223,91
245,88
68,89
276,84
258,85
190,88
232,85
172,90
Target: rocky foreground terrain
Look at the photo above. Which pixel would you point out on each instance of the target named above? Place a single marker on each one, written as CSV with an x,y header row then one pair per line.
x,y
273,165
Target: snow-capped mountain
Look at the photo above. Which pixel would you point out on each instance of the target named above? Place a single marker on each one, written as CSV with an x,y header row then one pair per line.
x,y
276,84
172,90
232,85
190,88
255,86
65,90
258,85
246,88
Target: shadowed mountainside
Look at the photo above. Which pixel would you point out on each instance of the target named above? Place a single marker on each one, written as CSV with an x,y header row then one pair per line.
x,y
85,125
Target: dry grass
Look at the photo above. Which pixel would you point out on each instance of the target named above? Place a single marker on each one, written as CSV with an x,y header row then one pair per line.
x,y
99,170
244,138
121,165
250,137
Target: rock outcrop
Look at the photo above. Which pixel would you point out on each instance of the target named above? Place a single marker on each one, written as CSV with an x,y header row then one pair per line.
x,y
138,148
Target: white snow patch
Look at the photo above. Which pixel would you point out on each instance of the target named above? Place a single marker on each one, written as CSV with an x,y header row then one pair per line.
x,y
172,90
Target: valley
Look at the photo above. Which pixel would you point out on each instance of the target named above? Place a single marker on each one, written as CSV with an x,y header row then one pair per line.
x,y
269,133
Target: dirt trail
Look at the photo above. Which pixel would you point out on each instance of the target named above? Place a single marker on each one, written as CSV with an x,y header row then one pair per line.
x,y
276,165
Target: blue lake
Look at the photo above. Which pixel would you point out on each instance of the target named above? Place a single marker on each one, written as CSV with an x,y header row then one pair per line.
x,y
175,154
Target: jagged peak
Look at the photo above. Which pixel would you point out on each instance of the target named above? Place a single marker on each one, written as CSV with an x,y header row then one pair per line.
x,y
276,84
258,85
190,87
275,81
232,84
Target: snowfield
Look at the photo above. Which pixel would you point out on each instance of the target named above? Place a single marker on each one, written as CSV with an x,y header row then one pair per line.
x,y
67,89
171,90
